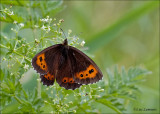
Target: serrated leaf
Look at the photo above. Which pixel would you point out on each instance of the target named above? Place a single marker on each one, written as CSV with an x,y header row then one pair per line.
x,y
25,94
108,104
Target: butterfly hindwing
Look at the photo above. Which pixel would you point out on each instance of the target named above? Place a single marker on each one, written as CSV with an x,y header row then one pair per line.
x,y
85,70
47,79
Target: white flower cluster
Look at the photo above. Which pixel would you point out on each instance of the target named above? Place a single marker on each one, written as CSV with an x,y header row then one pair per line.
x,y
21,25
18,26
46,28
46,20
26,66
8,11
46,25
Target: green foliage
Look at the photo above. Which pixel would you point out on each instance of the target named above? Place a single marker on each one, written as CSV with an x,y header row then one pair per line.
x,y
111,32
31,30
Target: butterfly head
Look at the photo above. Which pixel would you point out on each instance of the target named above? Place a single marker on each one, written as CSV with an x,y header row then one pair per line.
x,y
65,42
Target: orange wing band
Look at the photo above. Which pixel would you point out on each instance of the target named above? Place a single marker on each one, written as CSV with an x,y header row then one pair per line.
x,y
48,76
90,72
41,62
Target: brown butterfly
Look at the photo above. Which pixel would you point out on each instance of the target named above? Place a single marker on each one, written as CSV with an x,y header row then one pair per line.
x,y
69,66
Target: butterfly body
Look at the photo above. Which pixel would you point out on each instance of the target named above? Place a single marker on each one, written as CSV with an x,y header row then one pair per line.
x,y
69,66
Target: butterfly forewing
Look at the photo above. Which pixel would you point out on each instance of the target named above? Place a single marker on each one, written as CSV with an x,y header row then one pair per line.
x,y
43,61
85,70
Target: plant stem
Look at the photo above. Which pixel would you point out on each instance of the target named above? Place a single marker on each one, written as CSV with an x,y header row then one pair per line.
x,y
28,59
39,88
18,100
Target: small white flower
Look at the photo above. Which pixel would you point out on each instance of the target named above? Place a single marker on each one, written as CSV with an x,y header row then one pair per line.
x,y
46,20
66,105
98,96
4,59
45,101
48,28
26,66
11,28
69,31
21,25
101,90
54,24
74,111
47,88
70,102
36,26
43,27
38,79
41,19
82,43
61,20
11,13
15,22
50,19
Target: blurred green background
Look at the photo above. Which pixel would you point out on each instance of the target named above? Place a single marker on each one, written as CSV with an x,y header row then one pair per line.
x,y
119,32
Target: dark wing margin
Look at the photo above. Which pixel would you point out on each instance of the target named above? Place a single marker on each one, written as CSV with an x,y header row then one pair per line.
x,y
85,70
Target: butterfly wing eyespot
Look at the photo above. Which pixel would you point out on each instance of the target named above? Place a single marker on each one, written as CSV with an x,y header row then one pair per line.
x,y
71,80
65,80
47,79
90,72
41,62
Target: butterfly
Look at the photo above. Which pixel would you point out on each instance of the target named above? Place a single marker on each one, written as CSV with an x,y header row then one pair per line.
x,y
69,66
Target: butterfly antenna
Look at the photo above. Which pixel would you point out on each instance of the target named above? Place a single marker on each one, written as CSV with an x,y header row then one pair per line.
x,y
65,42
63,33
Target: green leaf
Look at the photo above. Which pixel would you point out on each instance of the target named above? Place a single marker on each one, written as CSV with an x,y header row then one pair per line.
x,y
108,104
25,94
1,75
